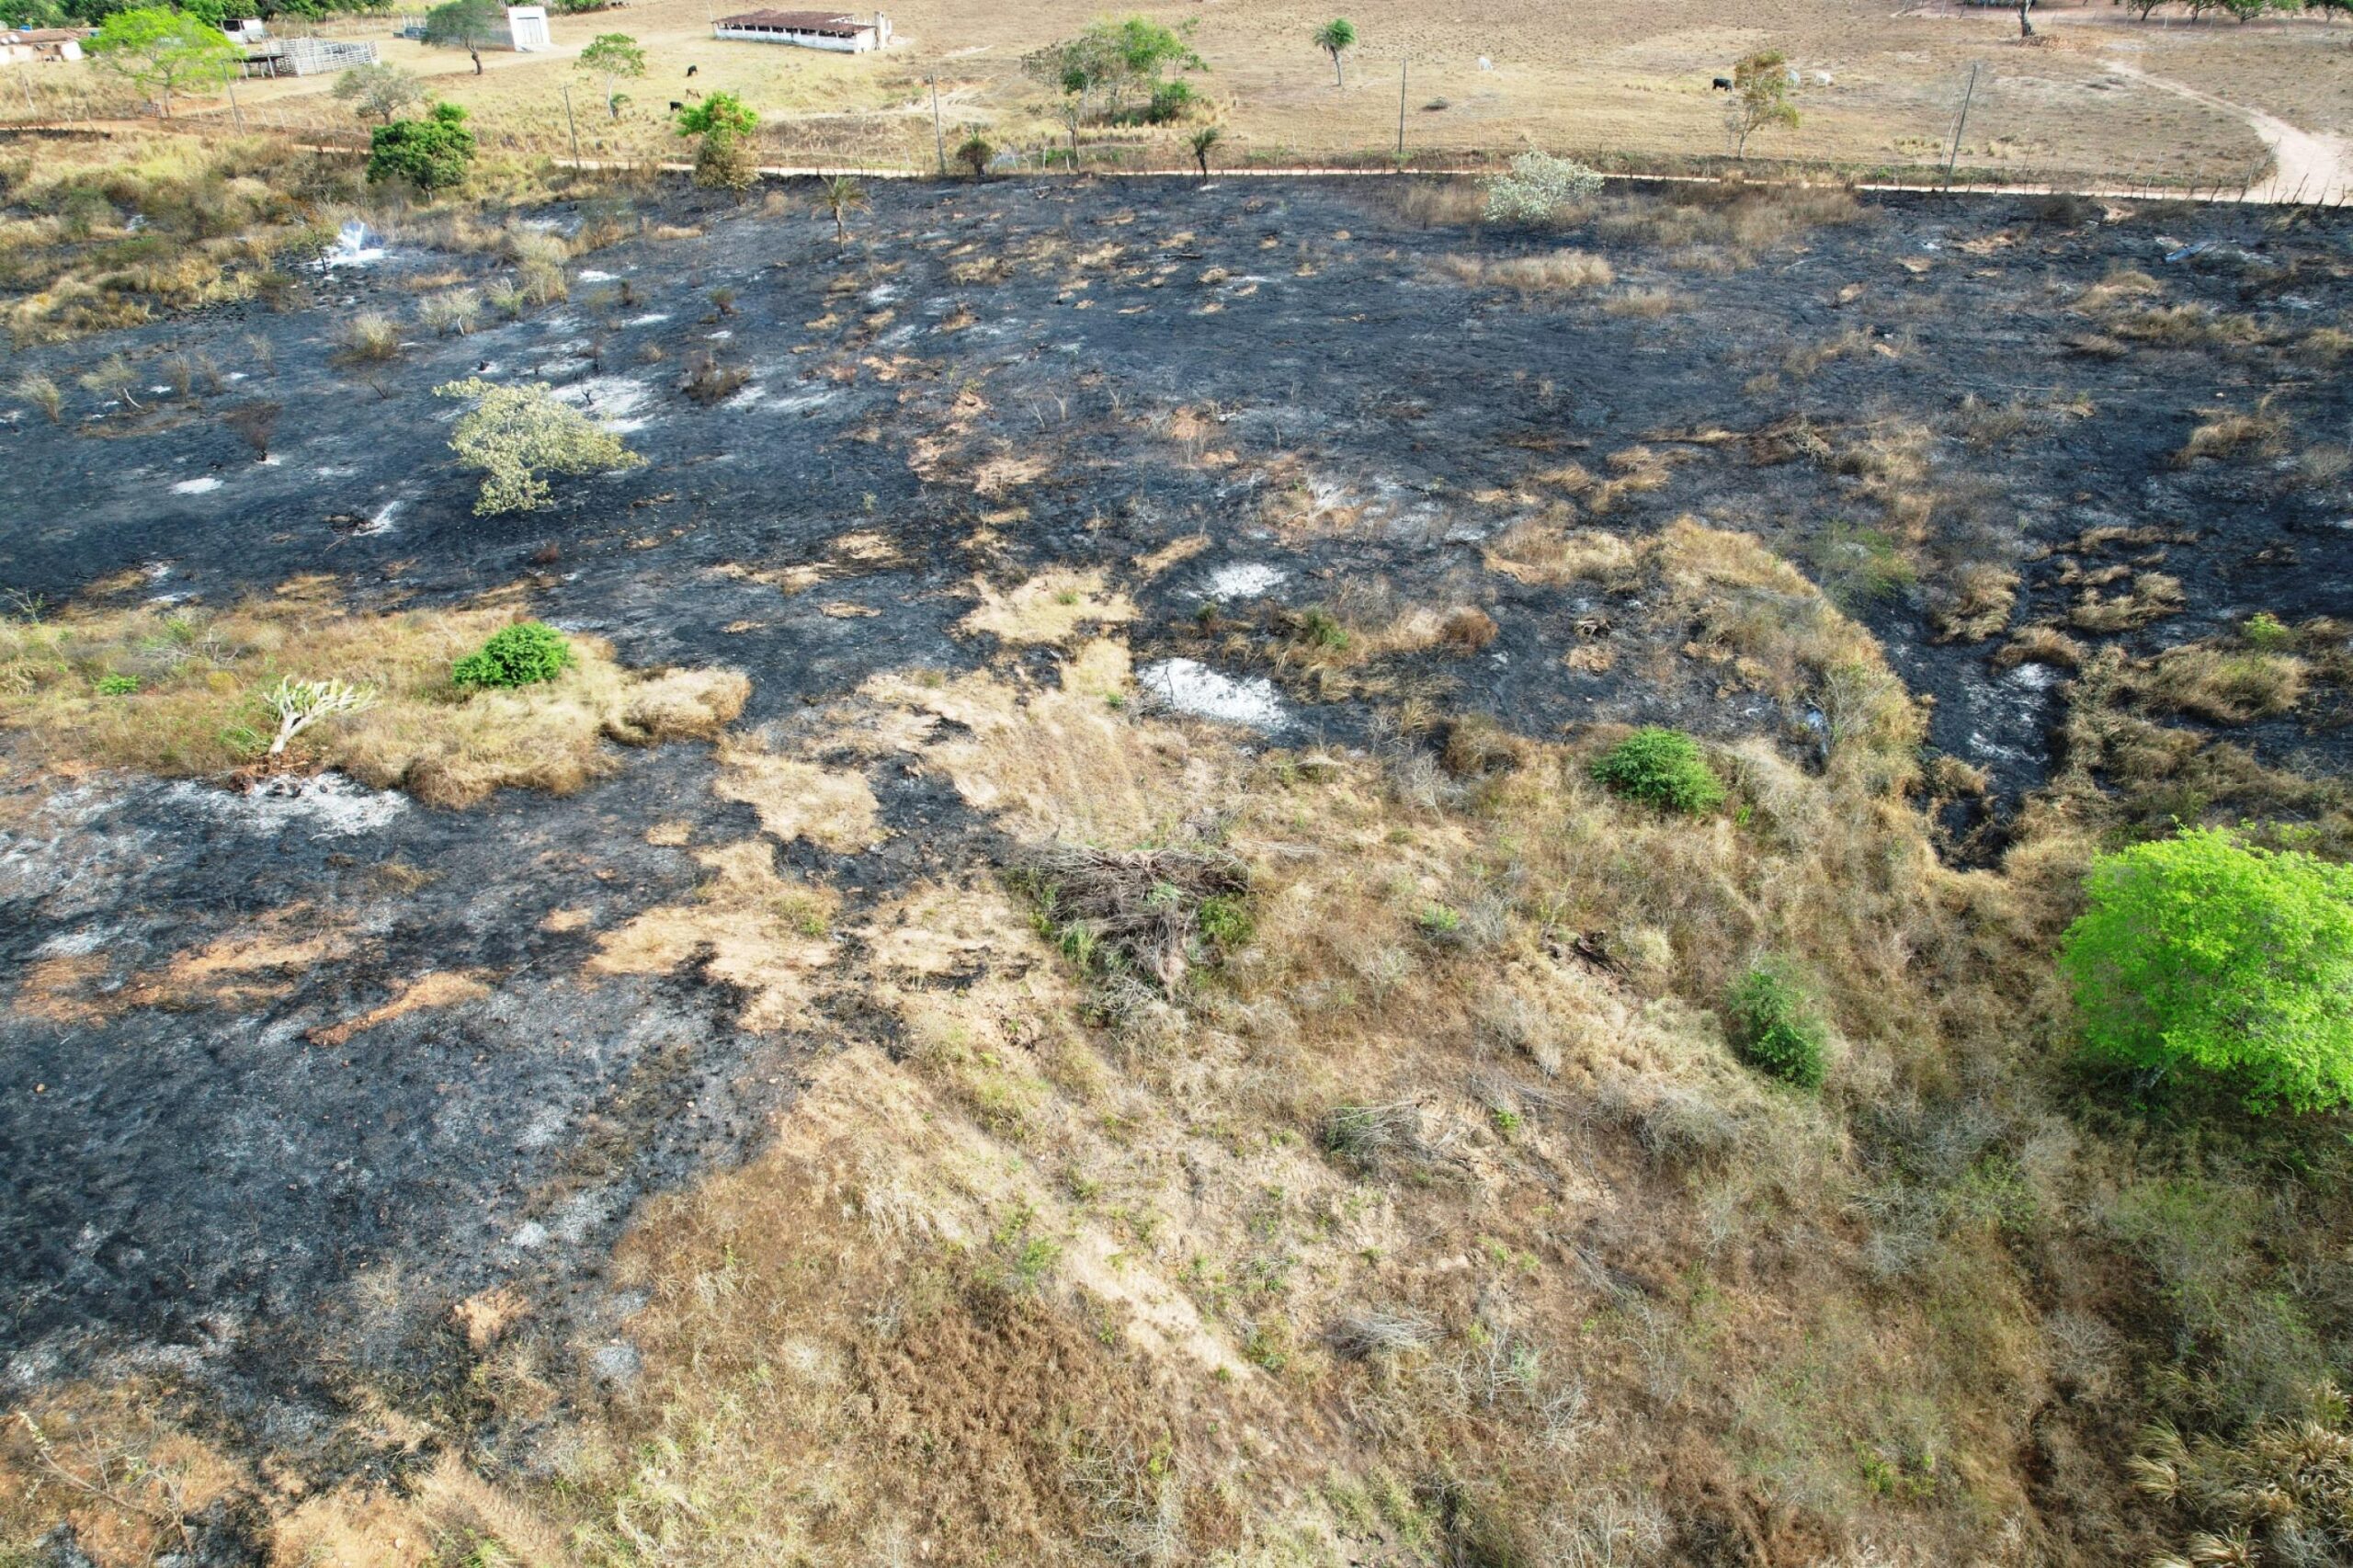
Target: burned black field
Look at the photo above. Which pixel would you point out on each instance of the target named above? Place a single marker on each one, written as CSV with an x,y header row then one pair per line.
x,y
1255,408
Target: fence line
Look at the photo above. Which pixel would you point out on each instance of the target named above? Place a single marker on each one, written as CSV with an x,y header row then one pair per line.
x,y
335,134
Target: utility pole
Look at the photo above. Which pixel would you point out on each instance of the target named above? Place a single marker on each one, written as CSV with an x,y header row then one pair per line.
x,y
25,80
572,122
1959,123
1401,112
939,141
229,85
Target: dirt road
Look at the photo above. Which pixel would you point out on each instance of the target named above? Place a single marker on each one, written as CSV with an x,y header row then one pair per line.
x,y
2306,166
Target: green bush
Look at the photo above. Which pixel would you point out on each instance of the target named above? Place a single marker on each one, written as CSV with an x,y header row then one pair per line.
x,y
525,654
1662,768
117,686
1775,1027
1538,187
1225,919
2204,952
2266,631
432,154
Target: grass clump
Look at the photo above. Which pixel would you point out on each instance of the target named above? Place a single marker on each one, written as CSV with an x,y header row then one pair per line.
x,y
1661,768
2206,953
525,654
1775,1027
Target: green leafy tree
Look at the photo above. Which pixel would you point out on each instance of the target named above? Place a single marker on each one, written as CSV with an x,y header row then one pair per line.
x,y
466,25
974,153
1336,37
726,124
1207,137
2201,951
525,654
516,435
613,56
1113,62
1660,768
432,154
378,92
162,50
1760,97
838,196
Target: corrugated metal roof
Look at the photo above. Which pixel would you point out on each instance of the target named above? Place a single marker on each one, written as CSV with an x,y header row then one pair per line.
x,y
832,24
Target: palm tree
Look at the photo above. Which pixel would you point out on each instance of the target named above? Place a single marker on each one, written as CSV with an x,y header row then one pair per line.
x,y
1207,137
839,194
1332,38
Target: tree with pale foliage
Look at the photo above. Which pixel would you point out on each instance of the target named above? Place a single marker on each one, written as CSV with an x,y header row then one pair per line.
x,y
161,50
516,435
613,56
1760,97
1336,37
378,92
1207,137
299,704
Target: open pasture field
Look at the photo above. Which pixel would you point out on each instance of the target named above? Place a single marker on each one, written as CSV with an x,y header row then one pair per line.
x,y
1618,86
1056,981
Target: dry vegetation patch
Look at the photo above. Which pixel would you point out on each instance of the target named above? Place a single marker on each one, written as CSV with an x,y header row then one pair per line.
x,y
748,926
179,691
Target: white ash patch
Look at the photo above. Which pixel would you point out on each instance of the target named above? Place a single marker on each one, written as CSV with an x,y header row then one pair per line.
x,y
197,486
381,523
329,805
543,1129
2034,676
650,318
592,275
1243,579
721,335
75,944
529,1234
1190,686
803,402
614,402
334,470
752,394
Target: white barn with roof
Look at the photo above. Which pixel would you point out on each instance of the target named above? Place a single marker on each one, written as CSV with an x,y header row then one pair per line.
x,y
833,31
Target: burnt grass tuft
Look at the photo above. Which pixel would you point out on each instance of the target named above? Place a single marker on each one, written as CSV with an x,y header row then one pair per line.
x,y
1316,384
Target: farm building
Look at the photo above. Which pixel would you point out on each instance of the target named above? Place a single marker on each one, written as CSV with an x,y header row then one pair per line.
x,y
19,47
259,54
809,30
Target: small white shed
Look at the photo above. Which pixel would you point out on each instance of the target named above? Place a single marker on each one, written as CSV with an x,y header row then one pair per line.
x,y
526,28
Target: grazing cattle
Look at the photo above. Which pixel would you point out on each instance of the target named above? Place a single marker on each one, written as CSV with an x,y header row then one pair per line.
x,y
692,69
675,106
1721,84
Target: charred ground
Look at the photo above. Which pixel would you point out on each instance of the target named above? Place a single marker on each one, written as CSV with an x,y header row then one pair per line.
x,y
1964,420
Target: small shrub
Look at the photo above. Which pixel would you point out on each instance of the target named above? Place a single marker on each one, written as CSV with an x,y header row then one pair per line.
x,y
1537,187
1774,1028
1469,628
117,686
1225,920
2266,632
974,153
42,394
1660,768
1321,629
454,311
2202,952
525,654
708,381
368,339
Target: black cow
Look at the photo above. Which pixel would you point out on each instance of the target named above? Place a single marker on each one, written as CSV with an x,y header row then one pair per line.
x,y
1721,84
675,106
692,69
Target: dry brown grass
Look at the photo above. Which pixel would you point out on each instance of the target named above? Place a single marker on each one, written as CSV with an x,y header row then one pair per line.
x,y
2228,433
1561,272
1049,608
2225,686
748,926
197,710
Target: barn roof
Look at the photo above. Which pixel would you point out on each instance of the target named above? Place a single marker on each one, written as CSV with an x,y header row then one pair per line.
x,y
832,24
